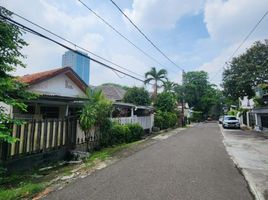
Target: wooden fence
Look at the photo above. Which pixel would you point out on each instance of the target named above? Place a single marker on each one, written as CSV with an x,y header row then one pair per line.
x,y
37,136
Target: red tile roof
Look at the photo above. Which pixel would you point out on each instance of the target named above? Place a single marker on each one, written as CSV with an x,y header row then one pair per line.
x,y
41,76
37,77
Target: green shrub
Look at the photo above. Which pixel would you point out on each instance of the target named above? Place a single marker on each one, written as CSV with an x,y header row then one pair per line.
x,y
158,120
119,134
172,119
197,116
136,132
105,131
232,112
165,120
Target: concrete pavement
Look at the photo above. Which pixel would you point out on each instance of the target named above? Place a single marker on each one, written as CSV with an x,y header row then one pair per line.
x,y
249,150
192,164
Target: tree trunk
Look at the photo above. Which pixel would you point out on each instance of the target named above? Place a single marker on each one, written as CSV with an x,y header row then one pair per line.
x,y
155,92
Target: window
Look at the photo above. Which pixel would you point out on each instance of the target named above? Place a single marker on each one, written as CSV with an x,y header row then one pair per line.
x,y
50,112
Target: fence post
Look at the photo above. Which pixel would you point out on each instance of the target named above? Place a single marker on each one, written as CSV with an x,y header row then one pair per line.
x,y
4,151
67,132
31,145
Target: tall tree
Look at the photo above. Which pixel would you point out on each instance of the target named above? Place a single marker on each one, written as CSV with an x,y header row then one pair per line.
x,y
156,77
246,71
12,92
195,85
137,96
200,94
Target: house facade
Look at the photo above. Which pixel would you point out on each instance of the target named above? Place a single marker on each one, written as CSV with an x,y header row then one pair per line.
x,y
261,111
61,91
255,114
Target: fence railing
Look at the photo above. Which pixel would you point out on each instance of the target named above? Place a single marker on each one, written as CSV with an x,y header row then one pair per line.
x,y
37,136
41,136
146,121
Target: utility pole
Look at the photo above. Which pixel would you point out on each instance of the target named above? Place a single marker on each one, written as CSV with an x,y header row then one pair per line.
x,y
182,100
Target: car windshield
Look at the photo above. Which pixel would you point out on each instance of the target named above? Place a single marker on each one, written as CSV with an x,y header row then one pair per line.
x,y
230,118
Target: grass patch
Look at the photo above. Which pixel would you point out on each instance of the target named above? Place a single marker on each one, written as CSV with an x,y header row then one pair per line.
x,y
106,153
23,191
26,185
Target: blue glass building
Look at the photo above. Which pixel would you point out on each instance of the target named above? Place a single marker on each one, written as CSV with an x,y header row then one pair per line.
x,y
79,63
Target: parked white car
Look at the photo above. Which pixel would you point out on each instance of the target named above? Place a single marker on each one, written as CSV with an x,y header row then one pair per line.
x,y
220,119
230,122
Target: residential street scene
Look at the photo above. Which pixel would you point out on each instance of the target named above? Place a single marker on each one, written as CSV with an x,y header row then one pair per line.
x,y
192,164
134,99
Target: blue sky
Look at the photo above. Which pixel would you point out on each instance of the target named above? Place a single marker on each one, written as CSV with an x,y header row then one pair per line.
x,y
196,34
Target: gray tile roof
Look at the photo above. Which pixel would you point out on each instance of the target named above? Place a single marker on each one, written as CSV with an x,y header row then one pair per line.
x,y
112,92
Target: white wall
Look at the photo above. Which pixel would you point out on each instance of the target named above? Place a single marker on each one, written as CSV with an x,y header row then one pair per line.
x,y
246,103
59,85
7,108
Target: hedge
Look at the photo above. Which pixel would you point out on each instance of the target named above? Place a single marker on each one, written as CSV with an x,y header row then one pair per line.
x,y
114,133
136,132
165,120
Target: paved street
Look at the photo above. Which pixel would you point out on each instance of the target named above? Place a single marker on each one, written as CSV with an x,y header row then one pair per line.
x,y
250,151
192,164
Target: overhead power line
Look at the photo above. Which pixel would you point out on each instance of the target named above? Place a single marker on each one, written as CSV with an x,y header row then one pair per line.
x,y
77,46
120,34
242,42
64,46
248,35
145,36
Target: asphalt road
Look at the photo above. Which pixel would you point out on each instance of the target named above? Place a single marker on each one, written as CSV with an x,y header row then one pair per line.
x,y
192,164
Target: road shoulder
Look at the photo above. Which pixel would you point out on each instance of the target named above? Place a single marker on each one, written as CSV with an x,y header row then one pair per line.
x,y
250,154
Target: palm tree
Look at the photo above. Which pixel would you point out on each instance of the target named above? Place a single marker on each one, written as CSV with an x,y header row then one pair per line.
x,y
156,77
170,86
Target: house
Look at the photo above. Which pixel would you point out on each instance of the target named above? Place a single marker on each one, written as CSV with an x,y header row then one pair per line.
x,y
261,109
127,113
51,125
60,91
246,118
255,113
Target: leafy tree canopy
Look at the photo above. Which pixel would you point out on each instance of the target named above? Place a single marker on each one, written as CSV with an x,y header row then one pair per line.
x,y
137,96
200,94
246,71
166,102
12,92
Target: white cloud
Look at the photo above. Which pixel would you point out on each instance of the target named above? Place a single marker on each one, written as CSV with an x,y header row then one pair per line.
x,y
228,23
158,14
91,41
216,66
40,56
231,20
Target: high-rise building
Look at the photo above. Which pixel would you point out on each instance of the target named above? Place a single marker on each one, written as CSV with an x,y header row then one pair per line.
x,y
79,63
